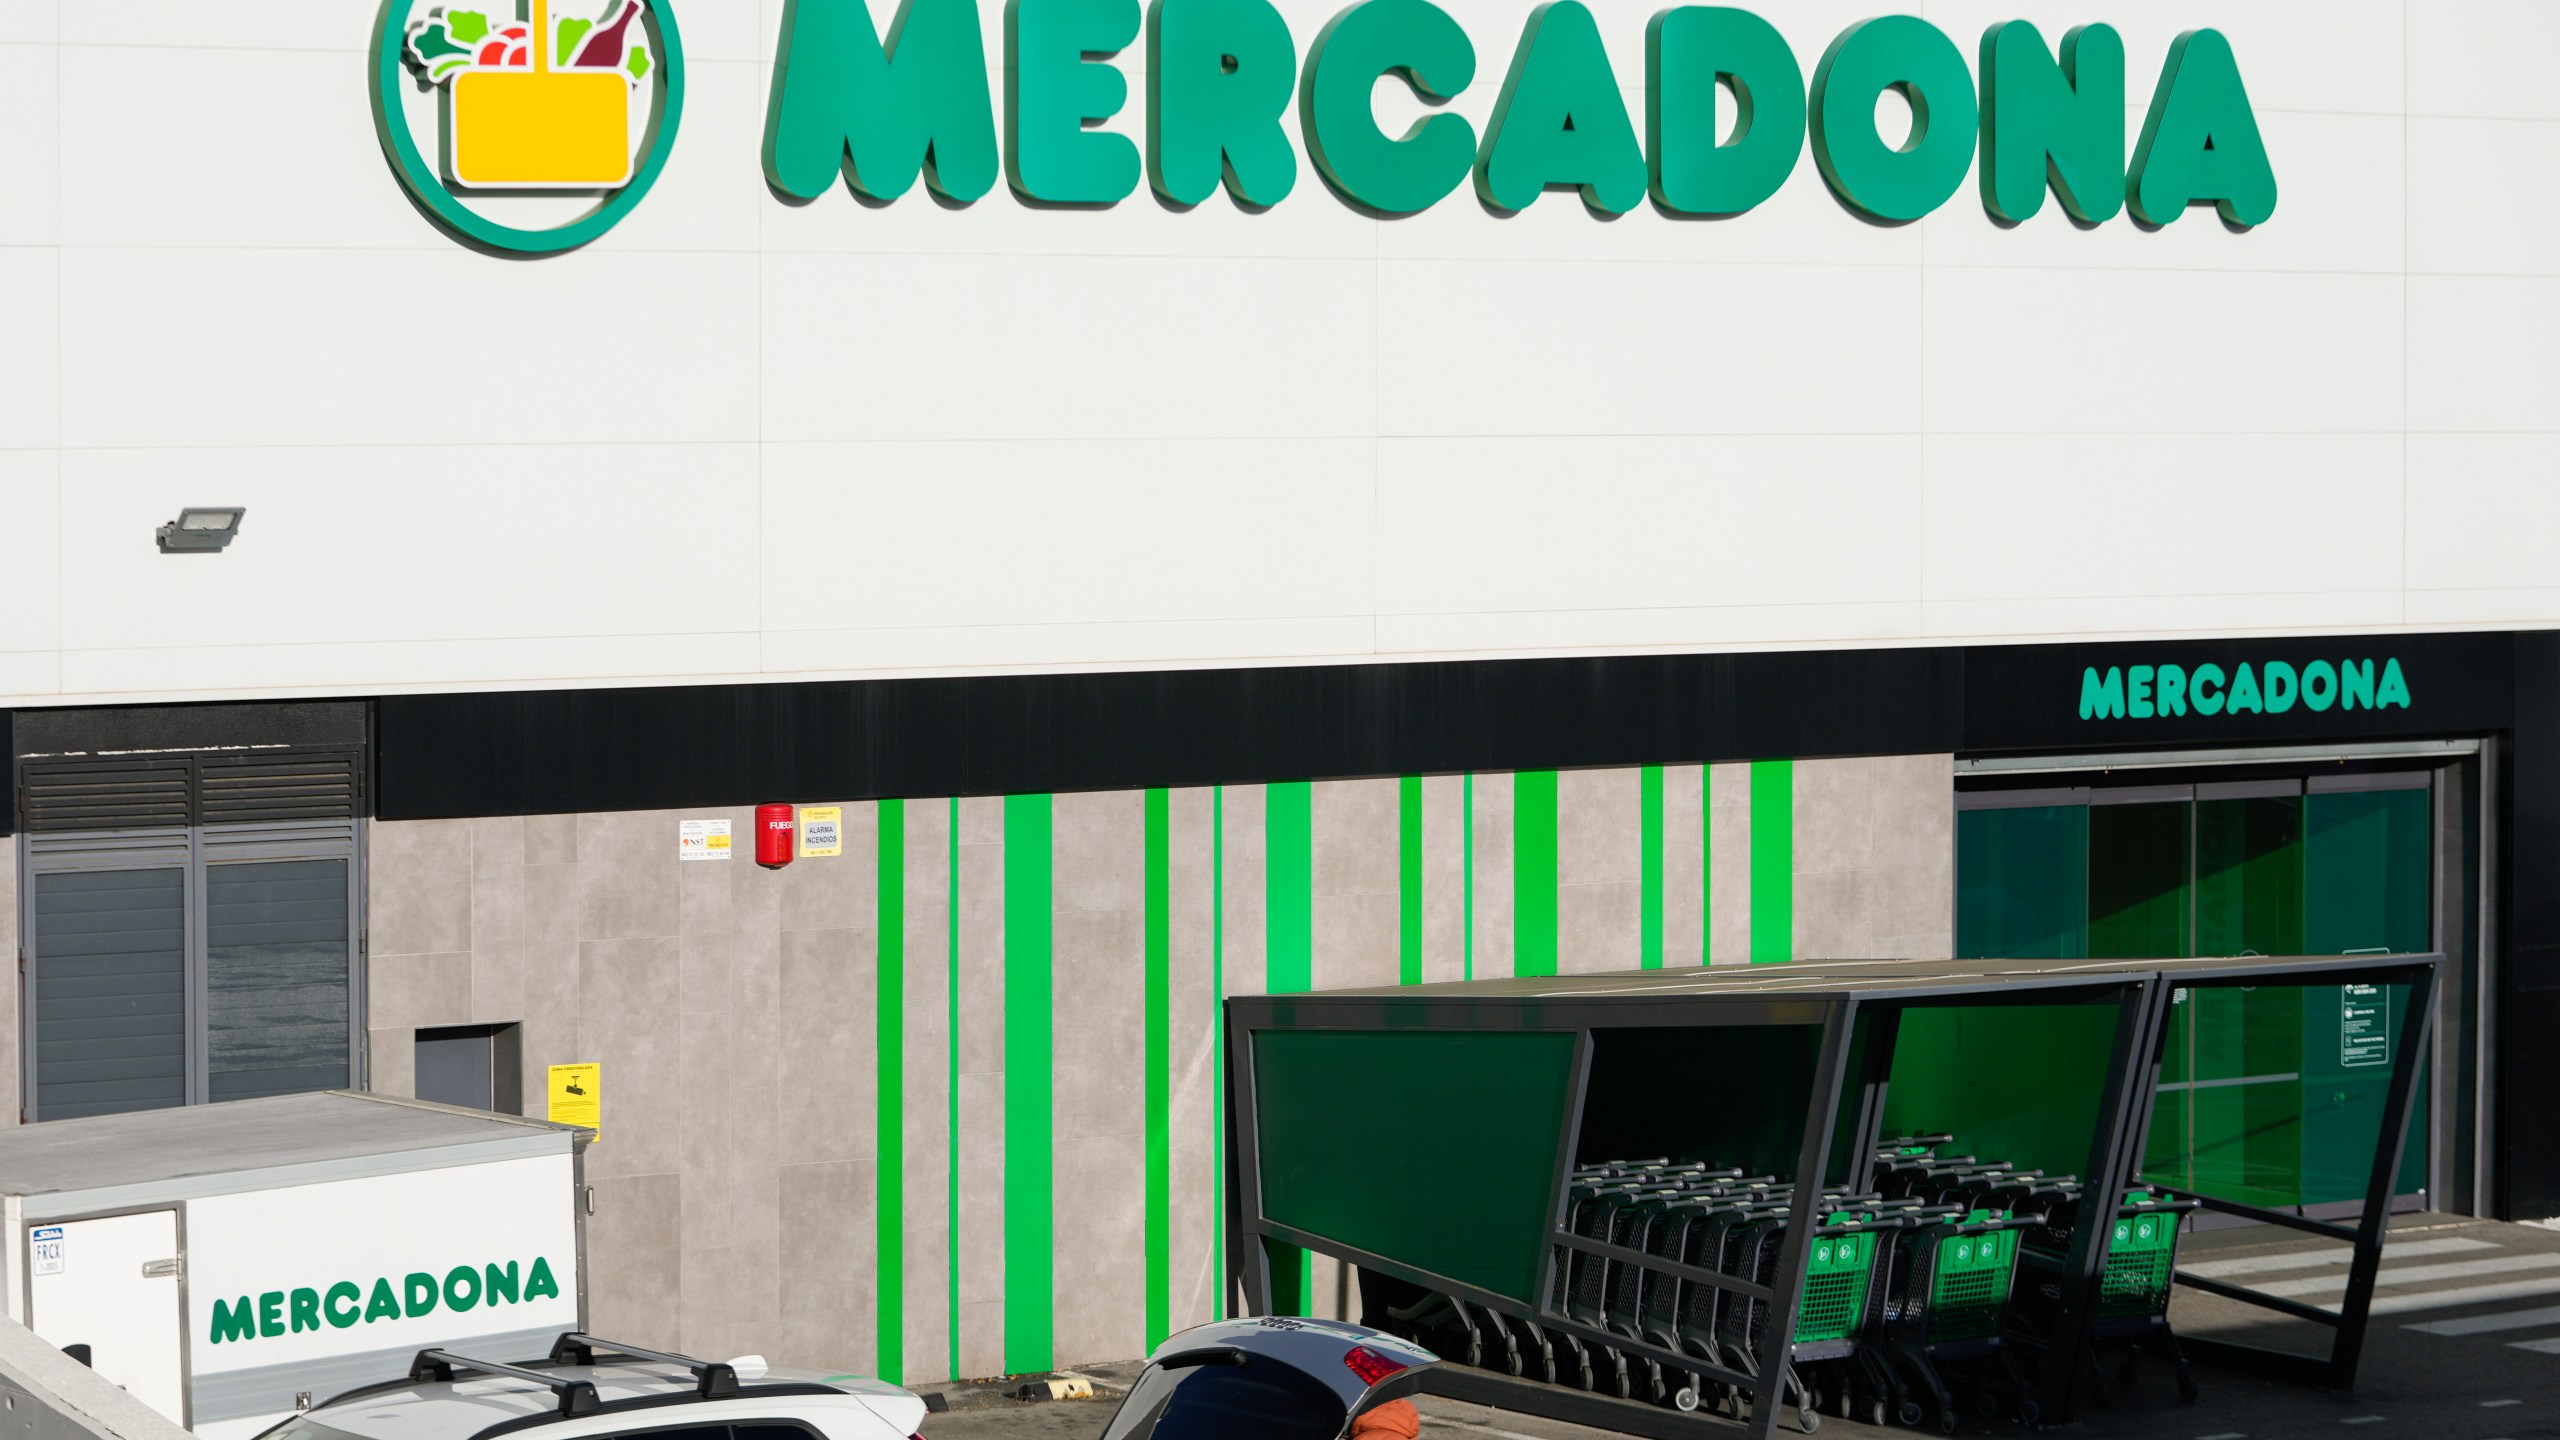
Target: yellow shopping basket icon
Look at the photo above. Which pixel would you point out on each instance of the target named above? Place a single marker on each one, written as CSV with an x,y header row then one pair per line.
x,y
542,128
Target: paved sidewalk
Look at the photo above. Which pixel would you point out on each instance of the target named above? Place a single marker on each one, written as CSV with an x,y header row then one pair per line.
x,y
2464,1345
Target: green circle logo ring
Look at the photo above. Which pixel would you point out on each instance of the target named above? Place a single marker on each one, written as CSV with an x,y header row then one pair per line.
x,y
534,99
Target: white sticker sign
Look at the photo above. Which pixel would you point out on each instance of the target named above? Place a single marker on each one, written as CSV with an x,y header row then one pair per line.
x,y
50,1251
702,839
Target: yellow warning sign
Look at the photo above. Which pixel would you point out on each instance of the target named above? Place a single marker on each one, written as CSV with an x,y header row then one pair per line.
x,y
821,831
577,1096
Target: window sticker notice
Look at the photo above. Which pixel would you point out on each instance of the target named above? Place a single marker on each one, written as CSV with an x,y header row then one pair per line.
x,y
47,1242
702,839
2364,1025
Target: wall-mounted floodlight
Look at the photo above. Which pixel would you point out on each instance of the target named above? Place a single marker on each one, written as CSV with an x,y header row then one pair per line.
x,y
201,527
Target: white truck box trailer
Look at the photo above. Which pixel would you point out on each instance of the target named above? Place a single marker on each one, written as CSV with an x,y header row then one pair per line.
x,y
226,1262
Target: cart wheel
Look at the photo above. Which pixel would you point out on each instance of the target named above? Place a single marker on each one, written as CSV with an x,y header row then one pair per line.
x,y
2187,1390
1685,1400
1875,1412
2029,1412
1808,1419
1985,1404
1947,1421
1910,1413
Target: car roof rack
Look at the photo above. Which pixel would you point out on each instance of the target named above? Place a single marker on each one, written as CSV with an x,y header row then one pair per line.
x,y
577,1397
713,1379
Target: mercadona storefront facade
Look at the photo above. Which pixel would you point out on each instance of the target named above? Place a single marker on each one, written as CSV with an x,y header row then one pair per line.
x,y
1305,498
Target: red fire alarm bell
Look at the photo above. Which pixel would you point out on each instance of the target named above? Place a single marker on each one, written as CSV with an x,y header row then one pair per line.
x,y
777,831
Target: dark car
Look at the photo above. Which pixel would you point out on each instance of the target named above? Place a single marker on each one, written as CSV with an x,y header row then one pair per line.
x,y
1268,1378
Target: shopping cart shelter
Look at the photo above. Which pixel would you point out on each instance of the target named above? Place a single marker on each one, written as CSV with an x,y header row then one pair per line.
x,y
1882,1188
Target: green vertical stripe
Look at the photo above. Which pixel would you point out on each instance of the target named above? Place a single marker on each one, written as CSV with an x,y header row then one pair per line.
x,y
1159,1068
1029,1238
1218,1049
1467,862
1649,822
1288,958
889,1016
1289,861
1533,873
951,994
1409,909
1773,861
1706,864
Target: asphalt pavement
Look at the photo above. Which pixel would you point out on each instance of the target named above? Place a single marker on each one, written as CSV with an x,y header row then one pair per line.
x,y
2464,1345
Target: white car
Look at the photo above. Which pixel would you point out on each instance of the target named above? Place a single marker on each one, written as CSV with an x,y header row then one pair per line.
x,y
590,1389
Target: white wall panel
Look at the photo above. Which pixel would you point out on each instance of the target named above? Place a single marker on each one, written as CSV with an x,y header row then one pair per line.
x,y
2482,511
30,569
741,438
30,392
2484,196
2486,58
2479,353
171,346
2128,352
30,163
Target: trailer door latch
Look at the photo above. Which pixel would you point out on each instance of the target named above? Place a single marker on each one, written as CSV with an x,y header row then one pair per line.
x,y
159,1269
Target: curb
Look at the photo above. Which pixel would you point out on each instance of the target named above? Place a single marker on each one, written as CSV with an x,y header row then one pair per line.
x,y
1099,1384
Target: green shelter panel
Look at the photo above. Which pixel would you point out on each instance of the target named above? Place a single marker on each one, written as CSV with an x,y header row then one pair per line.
x,y
1437,1149
1725,1095
2020,1083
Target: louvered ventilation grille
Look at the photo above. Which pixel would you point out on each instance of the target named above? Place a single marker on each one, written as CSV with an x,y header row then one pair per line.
x,y
295,785
219,789
108,794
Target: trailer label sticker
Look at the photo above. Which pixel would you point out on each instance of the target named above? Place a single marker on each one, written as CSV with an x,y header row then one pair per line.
x,y
48,1244
2364,1025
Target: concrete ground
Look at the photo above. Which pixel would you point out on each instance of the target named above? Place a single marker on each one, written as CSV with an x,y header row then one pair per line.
x,y
2464,1345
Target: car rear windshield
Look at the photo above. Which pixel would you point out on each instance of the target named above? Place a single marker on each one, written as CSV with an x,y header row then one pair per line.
x,y
1261,1400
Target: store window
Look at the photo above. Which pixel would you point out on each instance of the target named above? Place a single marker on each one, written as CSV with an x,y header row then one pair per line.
x,y
2270,1096
181,965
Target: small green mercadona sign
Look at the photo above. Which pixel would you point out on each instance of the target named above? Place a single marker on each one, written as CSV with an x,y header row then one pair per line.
x,y
2273,687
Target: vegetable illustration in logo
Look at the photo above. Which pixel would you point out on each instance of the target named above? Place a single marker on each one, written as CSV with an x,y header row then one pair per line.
x,y
537,104
527,127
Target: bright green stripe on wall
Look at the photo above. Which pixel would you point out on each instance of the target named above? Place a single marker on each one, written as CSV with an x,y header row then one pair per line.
x,y
1289,864
1217,1050
1288,871
1467,864
890,1025
1706,864
1159,1068
1773,861
1409,855
951,993
1649,806
1029,1238
1533,873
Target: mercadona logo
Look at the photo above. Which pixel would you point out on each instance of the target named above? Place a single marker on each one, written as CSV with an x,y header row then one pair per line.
x,y
547,124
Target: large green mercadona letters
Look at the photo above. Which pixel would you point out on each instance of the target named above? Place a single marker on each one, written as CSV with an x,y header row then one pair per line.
x,y
878,106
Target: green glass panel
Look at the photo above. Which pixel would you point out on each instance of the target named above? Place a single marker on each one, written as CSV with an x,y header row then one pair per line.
x,y
2366,872
2023,883
2249,876
1472,1184
2138,869
2021,1083
2350,1034
2229,1117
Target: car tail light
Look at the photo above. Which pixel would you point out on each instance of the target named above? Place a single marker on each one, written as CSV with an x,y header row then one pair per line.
x,y
1371,1366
